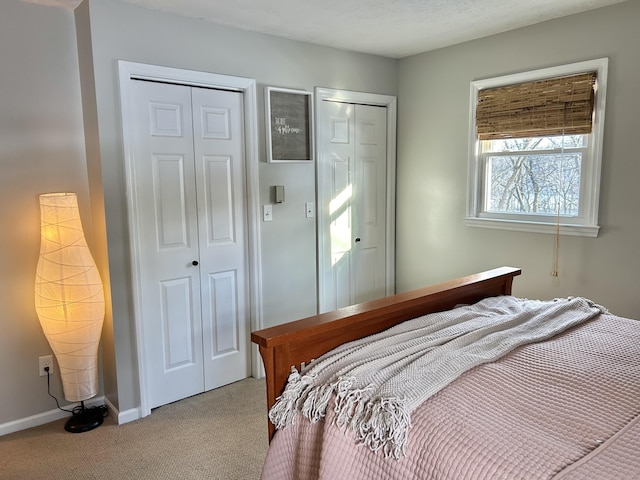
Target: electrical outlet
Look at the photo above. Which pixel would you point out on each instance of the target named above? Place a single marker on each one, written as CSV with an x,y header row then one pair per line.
x,y
45,361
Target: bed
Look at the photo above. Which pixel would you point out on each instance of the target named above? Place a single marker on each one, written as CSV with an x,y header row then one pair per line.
x,y
566,406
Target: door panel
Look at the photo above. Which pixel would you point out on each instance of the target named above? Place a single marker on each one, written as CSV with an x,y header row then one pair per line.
x,y
223,287
338,177
168,239
222,234
370,203
219,207
172,222
341,229
177,324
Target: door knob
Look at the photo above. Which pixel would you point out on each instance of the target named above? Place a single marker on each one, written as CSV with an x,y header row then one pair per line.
x,y
194,263
357,239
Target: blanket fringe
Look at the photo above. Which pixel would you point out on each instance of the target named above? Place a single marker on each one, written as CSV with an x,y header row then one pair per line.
x,y
385,427
284,411
350,408
315,404
381,424
591,303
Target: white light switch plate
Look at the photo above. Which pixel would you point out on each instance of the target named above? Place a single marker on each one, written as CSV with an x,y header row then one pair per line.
x,y
267,213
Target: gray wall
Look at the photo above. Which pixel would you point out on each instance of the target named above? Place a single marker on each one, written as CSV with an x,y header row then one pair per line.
x,y
433,242
51,84
41,150
122,32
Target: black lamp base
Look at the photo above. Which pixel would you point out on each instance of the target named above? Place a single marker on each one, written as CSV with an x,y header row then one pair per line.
x,y
85,419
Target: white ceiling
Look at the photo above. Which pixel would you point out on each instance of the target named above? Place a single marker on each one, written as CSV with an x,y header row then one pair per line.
x,y
391,28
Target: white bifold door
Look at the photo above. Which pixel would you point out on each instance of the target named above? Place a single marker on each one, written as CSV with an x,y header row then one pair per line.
x,y
188,170
353,202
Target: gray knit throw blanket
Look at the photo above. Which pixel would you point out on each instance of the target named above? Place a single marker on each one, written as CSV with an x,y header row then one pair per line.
x,y
378,381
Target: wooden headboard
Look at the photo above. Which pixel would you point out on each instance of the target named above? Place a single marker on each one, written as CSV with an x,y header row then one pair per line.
x,y
298,342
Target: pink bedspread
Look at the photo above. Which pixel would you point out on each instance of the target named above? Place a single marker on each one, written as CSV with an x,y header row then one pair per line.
x,y
567,408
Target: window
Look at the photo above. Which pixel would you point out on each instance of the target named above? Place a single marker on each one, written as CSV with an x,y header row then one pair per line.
x,y
535,150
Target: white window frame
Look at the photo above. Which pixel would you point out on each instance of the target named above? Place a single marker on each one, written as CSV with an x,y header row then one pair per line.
x,y
587,222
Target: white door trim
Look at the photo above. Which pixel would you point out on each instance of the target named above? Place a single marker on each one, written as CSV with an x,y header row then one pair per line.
x,y
390,102
131,70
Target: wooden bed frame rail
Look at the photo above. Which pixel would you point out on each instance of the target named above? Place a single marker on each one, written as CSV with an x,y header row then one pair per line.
x,y
298,342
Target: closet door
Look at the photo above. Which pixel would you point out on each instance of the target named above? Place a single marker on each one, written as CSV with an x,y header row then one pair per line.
x,y
186,187
352,203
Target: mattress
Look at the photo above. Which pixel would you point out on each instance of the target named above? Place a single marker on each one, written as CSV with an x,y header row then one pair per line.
x,y
565,408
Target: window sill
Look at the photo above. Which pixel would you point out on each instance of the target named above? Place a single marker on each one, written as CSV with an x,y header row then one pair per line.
x,y
534,227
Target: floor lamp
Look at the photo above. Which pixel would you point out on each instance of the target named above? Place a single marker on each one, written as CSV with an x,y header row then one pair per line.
x,y
69,301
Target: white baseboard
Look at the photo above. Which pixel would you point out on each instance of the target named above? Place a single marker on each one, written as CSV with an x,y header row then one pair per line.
x,y
44,417
123,417
129,416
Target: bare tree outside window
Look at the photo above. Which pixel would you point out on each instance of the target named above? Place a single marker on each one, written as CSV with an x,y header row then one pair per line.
x,y
537,175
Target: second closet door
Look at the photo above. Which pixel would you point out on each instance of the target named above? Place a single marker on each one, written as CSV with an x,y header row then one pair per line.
x,y
352,200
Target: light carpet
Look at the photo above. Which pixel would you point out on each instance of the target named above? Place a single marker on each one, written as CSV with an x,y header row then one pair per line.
x,y
221,434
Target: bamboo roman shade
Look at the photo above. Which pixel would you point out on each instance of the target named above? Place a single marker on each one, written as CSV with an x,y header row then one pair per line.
x,y
554,106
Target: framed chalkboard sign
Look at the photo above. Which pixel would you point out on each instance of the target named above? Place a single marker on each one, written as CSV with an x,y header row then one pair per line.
x,y
289,125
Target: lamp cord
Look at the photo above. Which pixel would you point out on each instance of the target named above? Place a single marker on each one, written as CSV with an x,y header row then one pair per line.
x,y
49,392
78,409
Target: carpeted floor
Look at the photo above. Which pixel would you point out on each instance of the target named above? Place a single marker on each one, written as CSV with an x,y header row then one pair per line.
x,y
221,434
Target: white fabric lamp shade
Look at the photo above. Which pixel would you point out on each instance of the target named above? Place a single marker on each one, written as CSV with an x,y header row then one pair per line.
x,y
69,296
